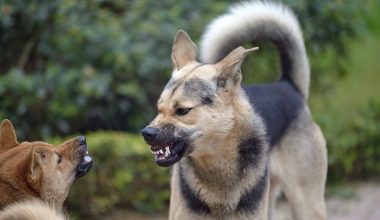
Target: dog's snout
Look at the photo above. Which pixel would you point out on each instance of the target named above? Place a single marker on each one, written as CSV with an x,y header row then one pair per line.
x,y
82,140
149,133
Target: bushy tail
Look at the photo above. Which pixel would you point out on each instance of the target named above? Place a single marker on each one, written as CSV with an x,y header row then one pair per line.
x,y
31,210
255,20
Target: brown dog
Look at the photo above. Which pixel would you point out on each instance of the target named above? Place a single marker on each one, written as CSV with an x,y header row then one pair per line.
x,y
30,170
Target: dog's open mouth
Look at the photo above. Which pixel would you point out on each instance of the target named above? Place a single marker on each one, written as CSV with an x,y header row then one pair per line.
x,y
168,154
85,165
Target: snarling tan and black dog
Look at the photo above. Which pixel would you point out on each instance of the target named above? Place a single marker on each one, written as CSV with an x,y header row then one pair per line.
x,y
233,146
38,170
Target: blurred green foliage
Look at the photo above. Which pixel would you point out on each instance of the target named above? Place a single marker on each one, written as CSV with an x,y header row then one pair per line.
x,y
124,175
354,146
71,66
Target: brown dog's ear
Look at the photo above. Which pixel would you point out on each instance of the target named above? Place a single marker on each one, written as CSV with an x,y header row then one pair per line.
x,y
229,67
184,50
34,173
8,137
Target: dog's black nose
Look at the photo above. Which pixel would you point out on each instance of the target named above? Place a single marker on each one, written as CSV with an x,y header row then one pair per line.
x,y
82,140
149,133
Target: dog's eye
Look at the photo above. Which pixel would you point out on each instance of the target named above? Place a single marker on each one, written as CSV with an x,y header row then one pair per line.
x,y
182,111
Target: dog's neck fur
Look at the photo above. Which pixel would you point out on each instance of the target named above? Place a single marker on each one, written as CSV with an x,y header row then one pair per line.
x,y
218,172
10,188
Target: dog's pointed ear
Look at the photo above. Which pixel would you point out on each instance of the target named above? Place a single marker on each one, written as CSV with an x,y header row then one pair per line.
x,y
34,172
8,137
229,67
184,50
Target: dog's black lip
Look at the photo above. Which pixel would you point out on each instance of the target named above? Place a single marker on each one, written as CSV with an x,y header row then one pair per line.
x,y
177,152
86,162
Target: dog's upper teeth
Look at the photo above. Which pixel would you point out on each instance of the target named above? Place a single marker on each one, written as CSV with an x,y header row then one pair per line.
x,y
161,151
167,150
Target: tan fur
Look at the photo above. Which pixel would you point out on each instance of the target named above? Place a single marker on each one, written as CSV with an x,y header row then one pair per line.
x,y
31,210
300,165
31,169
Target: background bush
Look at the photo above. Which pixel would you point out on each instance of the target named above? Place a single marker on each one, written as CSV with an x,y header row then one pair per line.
x,y
97,64
355,145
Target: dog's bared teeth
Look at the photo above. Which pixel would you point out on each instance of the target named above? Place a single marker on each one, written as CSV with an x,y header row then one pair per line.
x,y
161,151
167,150
87,159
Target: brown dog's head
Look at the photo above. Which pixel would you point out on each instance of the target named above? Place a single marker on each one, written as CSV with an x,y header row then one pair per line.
x,y
38,169
200,105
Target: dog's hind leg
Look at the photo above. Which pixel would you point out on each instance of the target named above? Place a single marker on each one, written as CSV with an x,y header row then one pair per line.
x,y
300,162
274,192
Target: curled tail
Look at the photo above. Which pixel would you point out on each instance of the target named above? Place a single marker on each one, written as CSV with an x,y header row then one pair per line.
x,y
255,20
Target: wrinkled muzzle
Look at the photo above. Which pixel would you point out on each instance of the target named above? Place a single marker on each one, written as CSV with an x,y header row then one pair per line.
x,y
165,146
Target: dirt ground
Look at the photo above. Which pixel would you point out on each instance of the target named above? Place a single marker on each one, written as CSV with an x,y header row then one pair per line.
x,y
359,201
